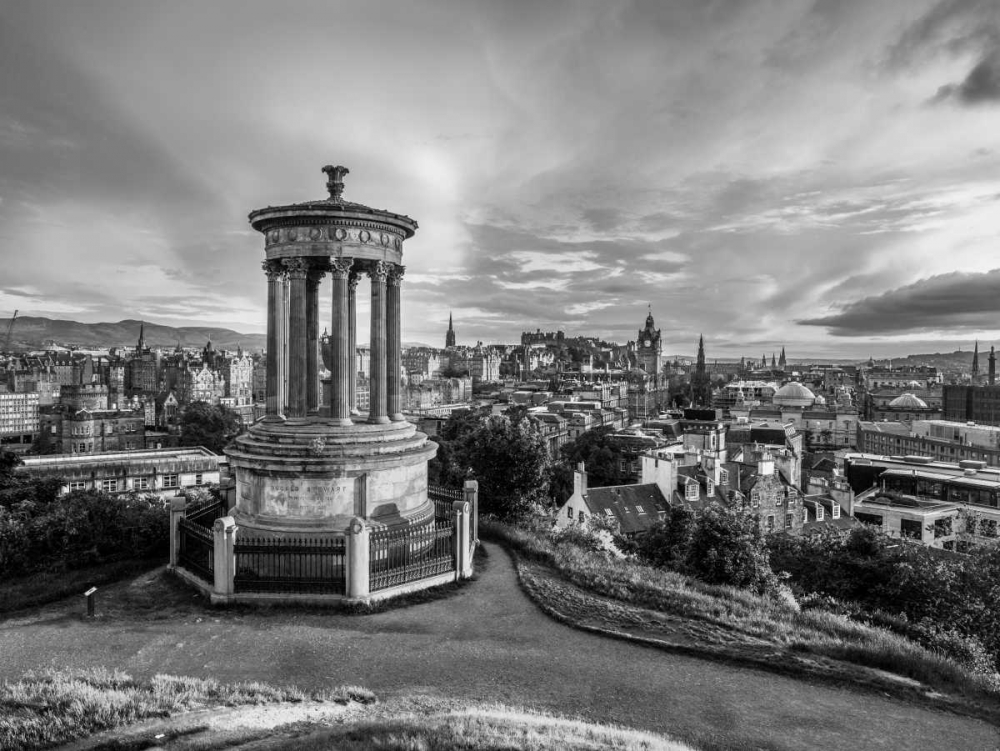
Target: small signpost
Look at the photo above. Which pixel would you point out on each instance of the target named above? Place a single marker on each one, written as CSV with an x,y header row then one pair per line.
x,y
89,594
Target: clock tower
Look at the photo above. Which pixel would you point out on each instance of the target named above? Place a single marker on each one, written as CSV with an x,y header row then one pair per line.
x,y
650,349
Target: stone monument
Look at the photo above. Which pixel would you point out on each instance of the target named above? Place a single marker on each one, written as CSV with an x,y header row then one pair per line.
x,y
308,468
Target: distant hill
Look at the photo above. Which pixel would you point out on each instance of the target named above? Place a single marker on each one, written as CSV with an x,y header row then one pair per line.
x,y
33,332
945,361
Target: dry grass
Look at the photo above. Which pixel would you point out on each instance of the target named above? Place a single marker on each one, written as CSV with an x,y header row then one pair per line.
x,y
485,729
746,617
46,708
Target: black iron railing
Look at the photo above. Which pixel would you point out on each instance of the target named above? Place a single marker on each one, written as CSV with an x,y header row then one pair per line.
x,y
207,512
403,555
443,498
308,566
196,549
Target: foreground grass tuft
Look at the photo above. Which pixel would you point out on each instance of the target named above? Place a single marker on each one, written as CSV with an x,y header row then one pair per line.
x,y
746,618
46,708
492,728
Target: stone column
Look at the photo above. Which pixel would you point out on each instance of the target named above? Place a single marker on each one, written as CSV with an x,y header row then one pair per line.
x,y
312,340
471,490
378,273
274,405
394,346
297,271
462,532
283,343
341,358
352,336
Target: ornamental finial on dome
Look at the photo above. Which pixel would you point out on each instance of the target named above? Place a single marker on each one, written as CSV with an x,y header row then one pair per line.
x,y
335,183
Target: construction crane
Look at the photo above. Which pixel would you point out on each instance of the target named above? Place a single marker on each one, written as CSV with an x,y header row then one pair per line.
x,y
10,328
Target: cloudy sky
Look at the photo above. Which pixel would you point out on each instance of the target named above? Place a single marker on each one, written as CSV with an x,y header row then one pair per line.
x,y
819,175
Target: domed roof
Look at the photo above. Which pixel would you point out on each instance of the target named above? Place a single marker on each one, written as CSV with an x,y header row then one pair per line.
x,y
908,401
794,394
794,390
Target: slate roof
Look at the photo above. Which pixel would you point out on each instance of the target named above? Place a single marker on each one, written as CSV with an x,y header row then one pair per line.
x,y
636,507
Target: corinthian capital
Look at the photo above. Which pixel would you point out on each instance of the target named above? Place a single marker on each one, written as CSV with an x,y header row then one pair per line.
x,y
296,267
272,269
340,268
379,272
396,275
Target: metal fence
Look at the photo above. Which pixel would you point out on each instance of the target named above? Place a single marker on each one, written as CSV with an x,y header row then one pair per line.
x,y
403,555
308,566
196,549
206,513
443,498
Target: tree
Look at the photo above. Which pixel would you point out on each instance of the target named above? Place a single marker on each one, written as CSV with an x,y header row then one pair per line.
x,y
600,455
210,425
667,542
727,547
510,459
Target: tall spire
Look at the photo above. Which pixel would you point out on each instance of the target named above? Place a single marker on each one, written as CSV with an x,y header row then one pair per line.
x,y
781,360
975,360
449,338
993,367
142,337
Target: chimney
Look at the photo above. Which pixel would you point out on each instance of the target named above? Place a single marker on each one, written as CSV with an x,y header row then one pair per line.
x,y
765,465
580,480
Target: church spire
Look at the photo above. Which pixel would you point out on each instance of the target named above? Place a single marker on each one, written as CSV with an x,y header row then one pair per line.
x,y
449,338
975,360
142,337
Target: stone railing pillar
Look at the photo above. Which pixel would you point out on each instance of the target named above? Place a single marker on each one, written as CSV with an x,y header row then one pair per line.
x,y
394,346
463,549
356,577
297,337
224,540
178,511
471,491
341,356
377,412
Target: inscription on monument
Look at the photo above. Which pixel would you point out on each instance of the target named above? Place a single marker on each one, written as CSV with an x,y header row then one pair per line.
x,y
307,497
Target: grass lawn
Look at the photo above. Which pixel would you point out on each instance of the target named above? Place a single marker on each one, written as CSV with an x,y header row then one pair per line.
x,y
52,707
42,588
633,598
496,728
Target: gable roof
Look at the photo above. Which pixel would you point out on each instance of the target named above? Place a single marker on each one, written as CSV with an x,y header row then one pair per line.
x,y
636,507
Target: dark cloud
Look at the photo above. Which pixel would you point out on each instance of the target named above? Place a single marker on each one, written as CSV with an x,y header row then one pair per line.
x,y
603,219
980,86
959,300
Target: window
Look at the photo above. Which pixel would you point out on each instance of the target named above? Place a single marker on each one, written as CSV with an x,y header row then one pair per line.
x,y
77,485
770,523
754,499
836,511
640,510
711,488
569,512
691,491
942,527
141,483
869,518
788,521
608,512
109,486
723,476
911,528
170,481
197,480
582,517
988,528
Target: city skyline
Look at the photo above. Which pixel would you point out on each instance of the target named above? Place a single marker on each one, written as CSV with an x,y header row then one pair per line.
x,y
822,177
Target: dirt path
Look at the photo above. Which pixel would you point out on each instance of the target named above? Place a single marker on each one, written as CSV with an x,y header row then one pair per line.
x,y
489,642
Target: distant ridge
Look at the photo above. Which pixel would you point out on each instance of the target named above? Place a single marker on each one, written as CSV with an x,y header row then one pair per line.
x,y
31,332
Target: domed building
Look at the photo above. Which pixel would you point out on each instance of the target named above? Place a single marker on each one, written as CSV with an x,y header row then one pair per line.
x,y
906,408
794,395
